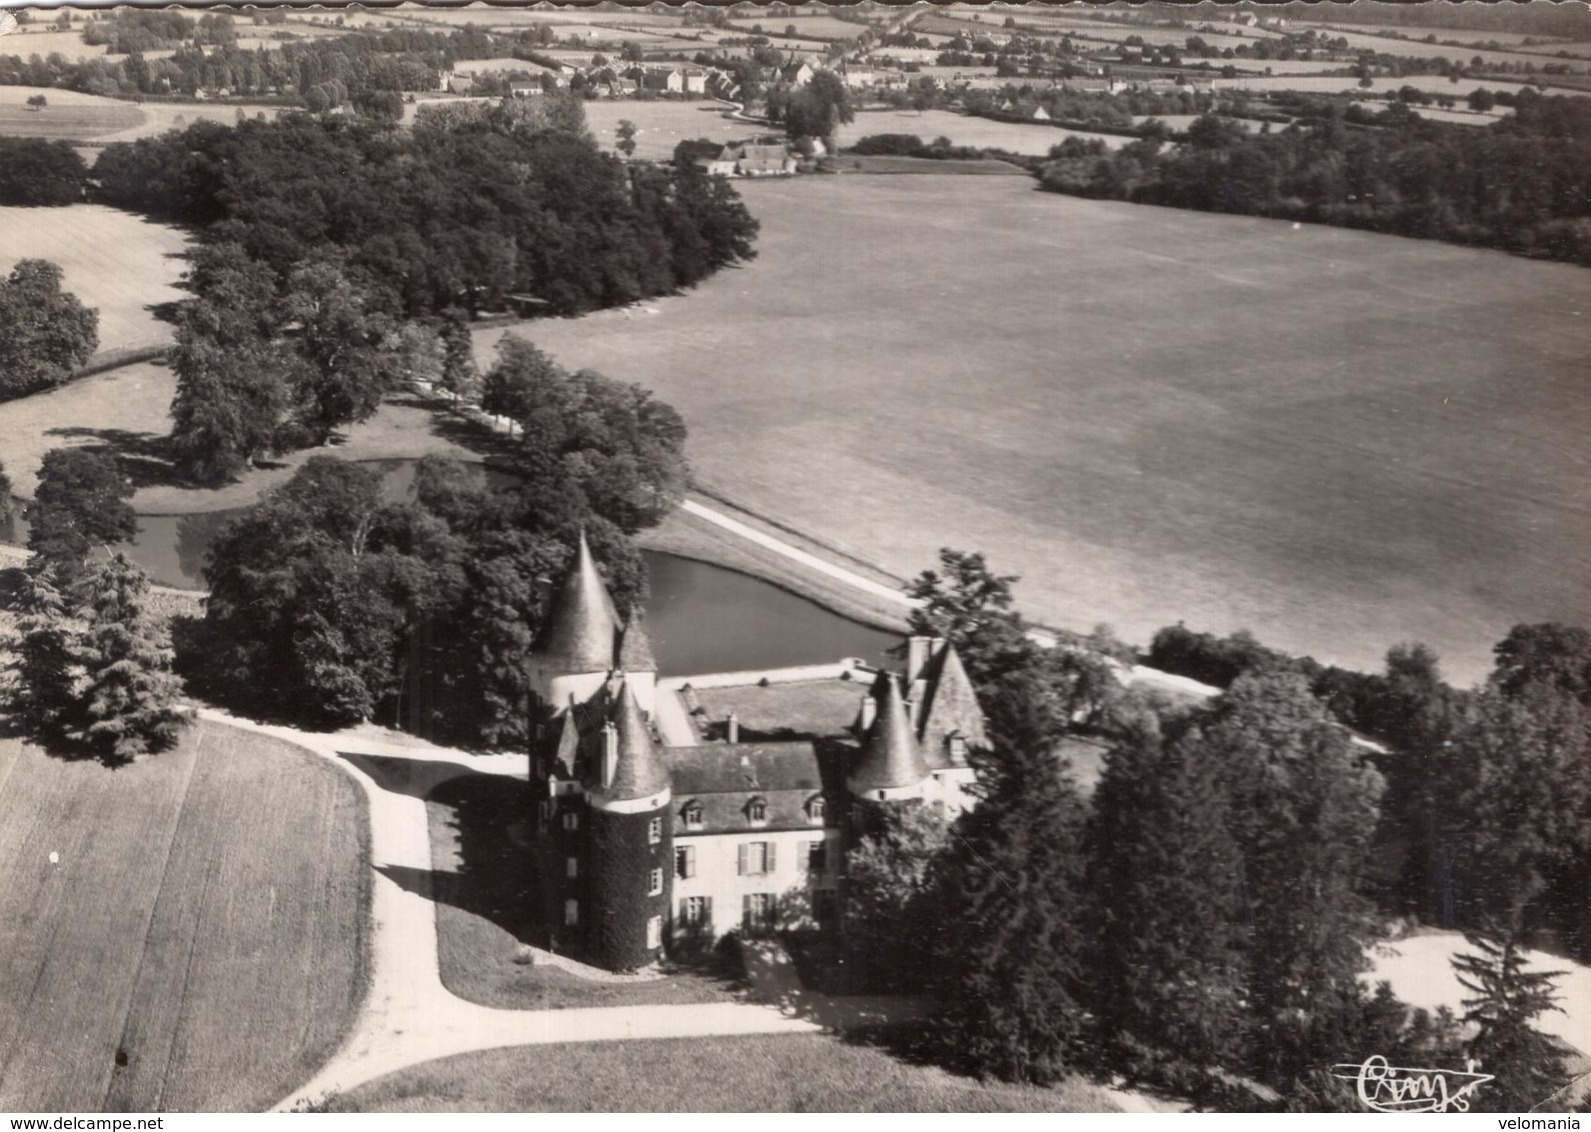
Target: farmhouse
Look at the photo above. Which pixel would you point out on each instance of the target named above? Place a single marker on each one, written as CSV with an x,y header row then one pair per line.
x,y
642,842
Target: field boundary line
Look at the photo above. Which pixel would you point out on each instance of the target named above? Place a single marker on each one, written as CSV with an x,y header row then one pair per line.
x,y
718,495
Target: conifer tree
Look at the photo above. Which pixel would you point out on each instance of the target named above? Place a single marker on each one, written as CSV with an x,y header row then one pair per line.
x,y
1012,940
1165,957
46,665
460,376
1527,1067
1303,809
129,698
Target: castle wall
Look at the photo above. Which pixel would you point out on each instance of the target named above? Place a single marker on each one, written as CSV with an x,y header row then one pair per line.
x,y
620,858
790,883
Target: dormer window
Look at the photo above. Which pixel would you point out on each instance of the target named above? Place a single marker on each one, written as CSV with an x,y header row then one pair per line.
x,y
757,811
816,808
692,815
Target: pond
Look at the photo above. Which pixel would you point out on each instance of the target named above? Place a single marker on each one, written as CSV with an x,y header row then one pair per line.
x,y
701,617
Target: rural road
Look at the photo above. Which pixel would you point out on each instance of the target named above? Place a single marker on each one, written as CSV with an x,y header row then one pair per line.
x,y
408,1016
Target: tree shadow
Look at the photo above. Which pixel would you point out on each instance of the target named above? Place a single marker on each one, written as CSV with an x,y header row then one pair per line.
x,y
167,311
495,874
144,458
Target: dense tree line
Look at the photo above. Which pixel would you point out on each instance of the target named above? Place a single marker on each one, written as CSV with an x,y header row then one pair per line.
x,y
46,334
1519,184
36,172
330,603
1201,922
334,250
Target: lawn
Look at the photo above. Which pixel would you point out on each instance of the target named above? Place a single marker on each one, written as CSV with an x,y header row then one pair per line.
x,y
117,262
483,887
799,1073
1337,439
187,933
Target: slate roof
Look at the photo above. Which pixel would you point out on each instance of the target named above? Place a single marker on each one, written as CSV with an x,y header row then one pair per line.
x,y
582,626
891,756
724,778
641,771
635,652
952,706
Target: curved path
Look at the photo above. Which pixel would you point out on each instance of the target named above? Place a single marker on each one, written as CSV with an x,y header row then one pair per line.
x,y
408,1016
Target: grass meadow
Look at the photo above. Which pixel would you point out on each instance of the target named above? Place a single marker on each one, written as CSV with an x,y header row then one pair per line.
x,y
187,933
68,116
800,1073
117,262
1336,439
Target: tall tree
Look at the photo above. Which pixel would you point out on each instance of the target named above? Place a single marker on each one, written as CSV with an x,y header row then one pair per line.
x,y
1166,955
46,665
81,501
233,372
350,348
1303,808
45,333
129,698
1507,1000
889,908
460,377
1012,970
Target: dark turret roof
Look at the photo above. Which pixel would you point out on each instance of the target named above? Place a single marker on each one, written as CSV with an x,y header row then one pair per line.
x,y
641,771
582,626
891,756
952,706
635,653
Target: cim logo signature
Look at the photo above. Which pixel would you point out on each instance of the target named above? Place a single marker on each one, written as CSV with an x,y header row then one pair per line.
x,y
1393,1088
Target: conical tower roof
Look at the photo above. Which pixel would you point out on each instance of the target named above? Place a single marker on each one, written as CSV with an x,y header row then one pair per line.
x,y
635,653
640,772
891,756
952,704
582,626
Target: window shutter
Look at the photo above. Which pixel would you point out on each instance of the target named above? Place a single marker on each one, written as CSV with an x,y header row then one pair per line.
x,y
771,847
740,859
690,860
707,909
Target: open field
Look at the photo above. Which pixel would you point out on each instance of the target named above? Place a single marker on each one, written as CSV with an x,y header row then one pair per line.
x,y
1380,84
186,933
663,125
1339,440
963,129
115,261
807,26
42,40
70,116
1416,49
162,116
803,1073
481,882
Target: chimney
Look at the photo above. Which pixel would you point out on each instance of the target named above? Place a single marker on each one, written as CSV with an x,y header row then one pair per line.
x,y
869,711
732,728
610,753
916,657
